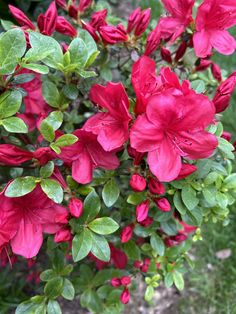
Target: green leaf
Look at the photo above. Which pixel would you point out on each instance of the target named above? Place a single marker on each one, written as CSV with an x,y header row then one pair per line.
x,y
179,205
149,293
169,280
12,48
68,291
27,307
132,250
51,94
91,47
92,206
10,103
100,248
38,68
53,307
53,287
71,91
55,148
51,124
110,192
47,131
78,52
136,198
226,148
66,140
81,245
169,227
90,300
52,189
47,275
20,187
189,197
157,244
14,125
47,170
178,280
45,49
230,182
105,225
199,86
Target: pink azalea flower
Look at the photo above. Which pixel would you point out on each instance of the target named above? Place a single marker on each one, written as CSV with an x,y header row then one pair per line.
x,y
112,127
171,27
86,155
214,17
24,220
174,127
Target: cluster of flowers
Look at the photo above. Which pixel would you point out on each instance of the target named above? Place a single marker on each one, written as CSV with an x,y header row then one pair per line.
x,y
164,132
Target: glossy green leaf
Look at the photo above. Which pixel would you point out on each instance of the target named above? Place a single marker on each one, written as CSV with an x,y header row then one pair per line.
x,y
110,192
68,290
52,189
100,248
81,245
10,103
20,187
104,225
14,125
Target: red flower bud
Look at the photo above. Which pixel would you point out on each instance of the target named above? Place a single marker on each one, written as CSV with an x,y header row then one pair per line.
x,y
156,187
47,22
216,72
73,11
62,218
153,41
62,235
133,19
226,136
137,183
181,51
185,171
163,204
125,280
98,19
126,233
142,211
137,264
13,155
143,22
169,242
145,266
76,207
186,228
64,27
146,222
204,64
112,35
61,3
116,282
224,93
136,155
179,238
84,5
21,18
91,30
166,55
125,296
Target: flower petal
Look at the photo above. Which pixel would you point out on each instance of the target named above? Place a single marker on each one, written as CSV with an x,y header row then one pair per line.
x,y
202,45
223,42
82,168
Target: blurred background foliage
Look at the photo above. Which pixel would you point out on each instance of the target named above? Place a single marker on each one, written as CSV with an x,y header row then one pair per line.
x,y
211,285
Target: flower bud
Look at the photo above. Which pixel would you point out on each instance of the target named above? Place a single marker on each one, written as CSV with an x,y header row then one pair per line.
x,y
226,136
64,27
153,41
47,22
73,11
179,238
142,211
133,19
62,218
166,55
186,228
76,207
126,233
146,222
143,22
156,187
125,296
61,3
169,242
112,35
91,31
115,282
216,72
62,235
181,51
137,264
186,170
98,19
136,155
137,183
224,92
145,266
163,204
125,280
84,5
21,18
204,64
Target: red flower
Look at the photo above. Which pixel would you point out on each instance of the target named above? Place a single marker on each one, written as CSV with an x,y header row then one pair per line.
x,y
86,155
113,34
26,219
137,182
112,126
13,155
213,19
224,92
174,127
171,27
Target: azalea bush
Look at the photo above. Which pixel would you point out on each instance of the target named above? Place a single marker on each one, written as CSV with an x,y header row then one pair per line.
x,y
112,149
